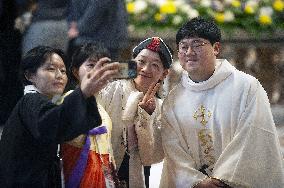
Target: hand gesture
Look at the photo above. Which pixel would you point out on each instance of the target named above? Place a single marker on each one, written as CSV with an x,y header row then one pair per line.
x,y
98,77
148,102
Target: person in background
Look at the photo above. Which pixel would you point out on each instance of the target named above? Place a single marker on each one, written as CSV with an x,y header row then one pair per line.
x,y
88,159
218,130
134,108
31,135
48,26
102,22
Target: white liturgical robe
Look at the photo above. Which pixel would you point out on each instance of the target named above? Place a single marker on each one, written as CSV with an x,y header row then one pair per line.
x,y
224,124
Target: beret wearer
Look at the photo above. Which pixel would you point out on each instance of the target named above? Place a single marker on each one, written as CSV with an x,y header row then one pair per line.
x,y
155,44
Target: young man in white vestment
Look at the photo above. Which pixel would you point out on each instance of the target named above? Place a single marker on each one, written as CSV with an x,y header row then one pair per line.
x,y
217,130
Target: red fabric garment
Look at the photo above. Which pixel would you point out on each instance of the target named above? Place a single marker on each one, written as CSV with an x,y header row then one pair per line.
x,y
93,176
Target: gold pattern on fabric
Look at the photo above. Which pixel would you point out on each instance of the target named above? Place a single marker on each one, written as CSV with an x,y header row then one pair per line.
x,y
202,115
206,145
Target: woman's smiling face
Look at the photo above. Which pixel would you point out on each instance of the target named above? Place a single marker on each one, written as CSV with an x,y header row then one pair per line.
x,y
50,78
150,69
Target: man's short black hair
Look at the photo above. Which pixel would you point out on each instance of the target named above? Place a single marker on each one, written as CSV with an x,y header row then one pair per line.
x,y
35,58
199,27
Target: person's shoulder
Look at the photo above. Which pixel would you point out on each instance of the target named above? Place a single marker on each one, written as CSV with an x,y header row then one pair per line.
x,y
123,84
34,100
245,79
235,74
173,93
29,97
246,83
245,76
111,85
179,86
113,88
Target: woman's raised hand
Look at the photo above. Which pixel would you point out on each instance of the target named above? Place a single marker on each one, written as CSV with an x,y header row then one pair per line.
x,y
99,76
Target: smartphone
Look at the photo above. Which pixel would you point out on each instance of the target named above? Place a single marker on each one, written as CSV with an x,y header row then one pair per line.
x,y
127,70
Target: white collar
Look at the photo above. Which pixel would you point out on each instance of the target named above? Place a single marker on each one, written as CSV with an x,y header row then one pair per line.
x,y
30,89
57,99
223,69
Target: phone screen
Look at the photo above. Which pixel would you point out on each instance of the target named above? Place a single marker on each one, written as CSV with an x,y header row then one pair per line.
x,y
127,70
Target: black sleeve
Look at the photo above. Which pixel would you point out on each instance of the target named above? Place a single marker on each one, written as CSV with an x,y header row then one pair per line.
x,y
48,122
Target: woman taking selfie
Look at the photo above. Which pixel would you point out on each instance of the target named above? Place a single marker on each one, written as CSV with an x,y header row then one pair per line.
x,y
30,138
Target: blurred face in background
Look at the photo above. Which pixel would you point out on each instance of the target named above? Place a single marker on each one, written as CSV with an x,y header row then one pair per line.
x,y
150,69
50,78
86,67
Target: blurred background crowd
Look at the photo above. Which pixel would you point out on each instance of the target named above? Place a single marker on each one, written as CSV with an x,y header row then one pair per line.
x,y
253,34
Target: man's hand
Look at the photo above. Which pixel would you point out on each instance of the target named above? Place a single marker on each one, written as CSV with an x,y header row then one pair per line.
x,y
148,102
98,77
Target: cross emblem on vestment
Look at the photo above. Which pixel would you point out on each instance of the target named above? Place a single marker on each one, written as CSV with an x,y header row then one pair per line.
x,y
201,113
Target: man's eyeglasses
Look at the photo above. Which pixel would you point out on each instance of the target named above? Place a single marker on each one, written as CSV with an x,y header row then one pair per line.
x,y
194,46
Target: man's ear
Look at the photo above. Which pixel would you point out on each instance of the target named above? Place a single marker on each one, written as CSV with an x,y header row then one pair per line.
x,y
30,77
216,48
75,73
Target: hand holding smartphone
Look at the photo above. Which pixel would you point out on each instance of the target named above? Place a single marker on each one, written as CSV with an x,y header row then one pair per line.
x,y
127,70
